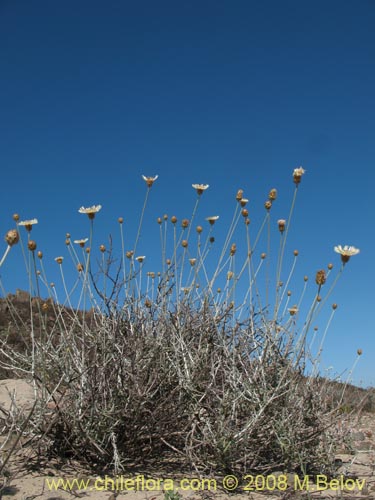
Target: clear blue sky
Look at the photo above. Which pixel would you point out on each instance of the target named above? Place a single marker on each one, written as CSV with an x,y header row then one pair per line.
x,y
233,94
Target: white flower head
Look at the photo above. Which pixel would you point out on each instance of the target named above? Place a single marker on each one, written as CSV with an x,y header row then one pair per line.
x,y
140,258
200,187
81,242
297,174
90,211
346,252
212,219
149,180
28,223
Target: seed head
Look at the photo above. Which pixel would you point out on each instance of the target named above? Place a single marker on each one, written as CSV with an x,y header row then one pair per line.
x,y
59,260
330,266
129,254
165,217
88,250
67,242
295,253
229,275
245,212
16,217
199,229
40,255
359,352
185,223
233,249
12,237
320,277
318,298
239,195
268,205
272,195
334,306
120,220
173,219
45,307
192,262
289,293
79,267
102,248
247,221
168,261
297,175
305,278
263,255
184,243
31,245
281,223
159,219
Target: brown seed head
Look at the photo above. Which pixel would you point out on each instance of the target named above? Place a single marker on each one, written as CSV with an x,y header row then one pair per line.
x,y
281,223
263,255
31,245
102,248
247,221
160,220
16,217
88,250
184,243
148,303
192,262
289,293
320,277
359,352
173,219
120,220
199,229
129,254
318,298
168,261
295,253
334,306
185,223
233,249
165,217
272,195
67,242
245,212
79,267
45,307
12,237
239,195
330,266
305,278
268,205
40,255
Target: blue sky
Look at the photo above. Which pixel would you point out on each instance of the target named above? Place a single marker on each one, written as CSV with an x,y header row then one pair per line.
x,y
233,94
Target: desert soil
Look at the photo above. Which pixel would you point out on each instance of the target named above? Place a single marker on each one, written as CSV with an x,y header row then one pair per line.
x,y
356,473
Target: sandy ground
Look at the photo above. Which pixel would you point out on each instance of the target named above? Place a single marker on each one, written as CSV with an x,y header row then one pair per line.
x,y
356,477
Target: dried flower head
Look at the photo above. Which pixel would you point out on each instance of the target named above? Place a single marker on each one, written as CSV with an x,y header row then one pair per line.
x,y
295,253
272,195
102,248
233,249
330,266
263,255
81,242
129,254
90,211
192,262
212,219
268,205
12,237
159,220
149,180
305,278
40,255
200,187
140,258
320,277
120,220
293,310
45,307
281,223
244,212
16,217
199,229
88,250
334,306
80,267
59,260
173,219
244,202
239,195
67,242
359,352
229,275
297,175
168,261
247,221
185,223
165,217
31,245
28,224
184,243
346,252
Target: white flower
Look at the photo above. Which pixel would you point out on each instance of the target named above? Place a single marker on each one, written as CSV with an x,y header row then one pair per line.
x,y
293,310
299,171
81,242
59,260
200,187
149,180
140,258
346,252
212,219
90,211
28,223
